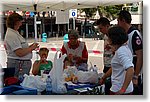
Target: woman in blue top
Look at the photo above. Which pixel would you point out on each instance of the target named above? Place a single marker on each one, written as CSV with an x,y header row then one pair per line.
x,y
43,63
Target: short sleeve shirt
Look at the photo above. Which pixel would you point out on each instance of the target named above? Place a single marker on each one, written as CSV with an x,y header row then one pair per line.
x,y
121,61
14,41
136,39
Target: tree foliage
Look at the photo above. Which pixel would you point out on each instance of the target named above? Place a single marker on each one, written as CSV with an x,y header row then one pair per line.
x,y
113,10
89,11
107,11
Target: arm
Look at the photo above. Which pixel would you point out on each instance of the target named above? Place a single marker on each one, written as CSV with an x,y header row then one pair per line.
x,y
106,75
36,66
139,64
24,51
128,78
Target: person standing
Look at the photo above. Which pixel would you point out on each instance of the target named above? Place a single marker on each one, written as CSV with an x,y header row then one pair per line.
x,y
19,53
103,25
122,68
136,46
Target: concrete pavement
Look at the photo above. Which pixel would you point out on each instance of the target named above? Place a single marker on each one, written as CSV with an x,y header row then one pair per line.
x,y
93,46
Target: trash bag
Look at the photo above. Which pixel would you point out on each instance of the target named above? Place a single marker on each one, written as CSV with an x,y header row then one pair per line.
x,y
58,84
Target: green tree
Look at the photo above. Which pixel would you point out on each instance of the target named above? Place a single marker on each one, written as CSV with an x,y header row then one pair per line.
x,y
112,10
89,11
107,11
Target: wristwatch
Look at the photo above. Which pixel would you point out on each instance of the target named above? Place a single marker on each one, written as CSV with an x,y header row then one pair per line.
x,y
135,77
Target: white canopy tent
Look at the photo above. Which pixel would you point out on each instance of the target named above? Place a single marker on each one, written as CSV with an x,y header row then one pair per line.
x,y
136,19
47,5
55,5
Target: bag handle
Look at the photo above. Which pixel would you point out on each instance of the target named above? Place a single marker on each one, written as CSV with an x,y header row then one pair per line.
x,y
58,54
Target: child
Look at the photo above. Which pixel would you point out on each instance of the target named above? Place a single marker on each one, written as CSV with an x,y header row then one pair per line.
x,y
43,63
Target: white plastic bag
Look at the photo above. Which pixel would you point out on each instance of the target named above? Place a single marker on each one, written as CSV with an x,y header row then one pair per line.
x,y
34,82
87,77
57,74
70,74
70,70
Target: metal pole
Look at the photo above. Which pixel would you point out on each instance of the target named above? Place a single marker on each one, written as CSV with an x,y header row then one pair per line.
x,y
68,26
26,30
1,29
57,33
51,27
35,28
51,17
74,23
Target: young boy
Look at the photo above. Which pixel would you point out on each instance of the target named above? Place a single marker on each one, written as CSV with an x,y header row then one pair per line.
x,y
43,63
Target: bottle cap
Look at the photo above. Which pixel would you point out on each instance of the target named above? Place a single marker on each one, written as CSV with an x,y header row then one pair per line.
x,y
20,69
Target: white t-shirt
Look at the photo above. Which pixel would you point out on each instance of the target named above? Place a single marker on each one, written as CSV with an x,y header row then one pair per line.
x,y
14,41
121,61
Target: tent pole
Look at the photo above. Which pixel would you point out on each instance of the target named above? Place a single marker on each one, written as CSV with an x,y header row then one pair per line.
x,y
35,28
27,31
74,23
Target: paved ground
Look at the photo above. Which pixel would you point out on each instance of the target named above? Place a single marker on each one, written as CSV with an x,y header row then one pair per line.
x,y
95,49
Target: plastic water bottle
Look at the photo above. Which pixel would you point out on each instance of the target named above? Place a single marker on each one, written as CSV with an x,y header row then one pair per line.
x,y
48,85
95,69
91,69
20,76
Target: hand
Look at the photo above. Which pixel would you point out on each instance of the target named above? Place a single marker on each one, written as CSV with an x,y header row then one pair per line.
x,y
70,57
101,81
34,46
119,93
135,82
43,58
77,59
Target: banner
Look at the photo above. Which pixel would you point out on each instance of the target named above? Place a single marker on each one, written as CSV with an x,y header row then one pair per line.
x,y
62,17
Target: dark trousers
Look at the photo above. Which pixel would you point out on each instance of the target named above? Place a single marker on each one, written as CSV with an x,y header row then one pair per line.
x,y
107,86
107,82
138,89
